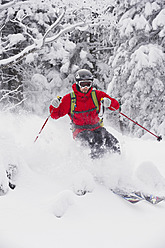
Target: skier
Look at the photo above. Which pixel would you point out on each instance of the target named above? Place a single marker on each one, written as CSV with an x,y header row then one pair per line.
x,y
83,106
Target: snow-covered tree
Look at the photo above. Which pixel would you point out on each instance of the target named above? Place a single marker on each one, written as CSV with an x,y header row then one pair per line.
x,y
138,63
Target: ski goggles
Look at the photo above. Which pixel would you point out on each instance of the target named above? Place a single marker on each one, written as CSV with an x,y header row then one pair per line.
x,y
85,83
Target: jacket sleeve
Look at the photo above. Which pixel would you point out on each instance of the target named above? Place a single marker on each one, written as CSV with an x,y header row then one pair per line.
x,y
63,109
114,103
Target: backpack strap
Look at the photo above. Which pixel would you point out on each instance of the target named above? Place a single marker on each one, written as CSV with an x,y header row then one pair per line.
x,y
95,101
73,103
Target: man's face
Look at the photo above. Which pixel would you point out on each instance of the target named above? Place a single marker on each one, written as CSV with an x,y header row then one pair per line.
x,y
84,89
85,85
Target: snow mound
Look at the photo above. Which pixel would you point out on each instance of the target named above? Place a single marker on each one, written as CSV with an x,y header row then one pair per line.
x,y
150,178
62,202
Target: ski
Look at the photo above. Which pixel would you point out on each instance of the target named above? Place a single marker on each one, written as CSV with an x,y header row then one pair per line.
x,y
134,196
153,199
130,197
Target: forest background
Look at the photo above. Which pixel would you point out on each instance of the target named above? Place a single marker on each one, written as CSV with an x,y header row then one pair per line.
x,y
43,43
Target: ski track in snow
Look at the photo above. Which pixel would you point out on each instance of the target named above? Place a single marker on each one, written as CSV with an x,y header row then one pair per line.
x,y
46,209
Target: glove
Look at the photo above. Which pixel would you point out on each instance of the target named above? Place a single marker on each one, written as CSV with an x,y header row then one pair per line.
x,y
56,102
107,102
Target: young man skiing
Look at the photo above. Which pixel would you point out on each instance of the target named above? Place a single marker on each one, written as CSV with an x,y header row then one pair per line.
x,y
83,106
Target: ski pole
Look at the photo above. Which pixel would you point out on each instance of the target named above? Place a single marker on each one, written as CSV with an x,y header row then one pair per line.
x,y
59,98
159,138
42,128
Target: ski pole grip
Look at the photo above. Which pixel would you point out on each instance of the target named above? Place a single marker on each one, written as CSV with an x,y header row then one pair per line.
x,y
59,98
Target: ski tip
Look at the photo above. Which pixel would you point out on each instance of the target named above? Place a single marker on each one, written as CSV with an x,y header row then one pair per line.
x,y
153,199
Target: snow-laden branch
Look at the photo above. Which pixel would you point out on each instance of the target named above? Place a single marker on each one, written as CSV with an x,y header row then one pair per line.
x,y
15,58
24,27
12,3
53,25
10,92
7,5
65,30
39,43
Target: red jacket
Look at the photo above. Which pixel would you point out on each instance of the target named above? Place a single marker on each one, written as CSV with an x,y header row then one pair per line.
x,y
84,103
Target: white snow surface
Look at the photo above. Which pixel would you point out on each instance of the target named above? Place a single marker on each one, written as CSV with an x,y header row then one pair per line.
x,y
44,209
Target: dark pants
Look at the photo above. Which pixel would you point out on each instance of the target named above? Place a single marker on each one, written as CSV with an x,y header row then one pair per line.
x,y
100,141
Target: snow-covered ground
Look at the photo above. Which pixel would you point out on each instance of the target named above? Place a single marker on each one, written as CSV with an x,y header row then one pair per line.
x,y
44,211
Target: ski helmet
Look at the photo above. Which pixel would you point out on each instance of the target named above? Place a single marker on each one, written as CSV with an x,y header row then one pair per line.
x,y
82,75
